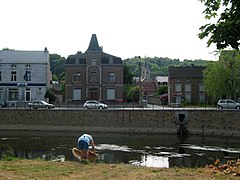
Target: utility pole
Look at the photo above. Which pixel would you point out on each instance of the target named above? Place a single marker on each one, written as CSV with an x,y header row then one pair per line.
x,y
140,87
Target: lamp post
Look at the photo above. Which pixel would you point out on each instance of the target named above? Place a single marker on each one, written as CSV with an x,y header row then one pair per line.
x,y
140,87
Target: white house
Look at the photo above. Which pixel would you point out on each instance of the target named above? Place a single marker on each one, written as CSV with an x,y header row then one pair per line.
x,y
24,76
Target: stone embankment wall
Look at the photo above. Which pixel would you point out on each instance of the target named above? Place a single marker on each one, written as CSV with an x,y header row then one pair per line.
x,y
201,122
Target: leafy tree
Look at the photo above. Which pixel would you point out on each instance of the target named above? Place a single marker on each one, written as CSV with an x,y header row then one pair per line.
x,y
162,89
131,93
49,94
222,78
54,77
225,32
127,75
57,65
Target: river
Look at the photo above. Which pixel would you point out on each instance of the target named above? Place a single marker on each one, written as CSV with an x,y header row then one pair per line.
x,y
151,150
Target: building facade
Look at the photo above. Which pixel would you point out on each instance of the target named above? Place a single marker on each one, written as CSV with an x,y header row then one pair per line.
x,y
93,75
24,76
186,85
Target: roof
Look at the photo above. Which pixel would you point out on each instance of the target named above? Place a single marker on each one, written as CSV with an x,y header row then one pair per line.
x,y
13,56
186,72
162,78
93,45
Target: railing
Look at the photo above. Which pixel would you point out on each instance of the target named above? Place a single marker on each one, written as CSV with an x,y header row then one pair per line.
x,y
119,106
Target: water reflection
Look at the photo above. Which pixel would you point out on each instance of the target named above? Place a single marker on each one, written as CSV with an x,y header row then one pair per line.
x,y
138,149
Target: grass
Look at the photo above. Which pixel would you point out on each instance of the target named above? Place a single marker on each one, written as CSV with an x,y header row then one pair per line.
x,y
39,169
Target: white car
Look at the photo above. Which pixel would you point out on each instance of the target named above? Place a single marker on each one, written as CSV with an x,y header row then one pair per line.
x,y
93,104
40,104
227,104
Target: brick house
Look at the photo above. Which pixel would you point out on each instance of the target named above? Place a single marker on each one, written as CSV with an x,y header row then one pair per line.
x,y
93,75
24,76
186,85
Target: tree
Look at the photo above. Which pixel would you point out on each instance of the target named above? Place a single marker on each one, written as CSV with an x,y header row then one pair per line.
x,y
57,65
127,75
50,95
222,78
225,32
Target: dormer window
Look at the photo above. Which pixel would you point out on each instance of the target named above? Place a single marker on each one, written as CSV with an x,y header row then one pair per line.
x,y
110,60
94,62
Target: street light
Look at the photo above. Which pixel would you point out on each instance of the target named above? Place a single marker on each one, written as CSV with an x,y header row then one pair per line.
x,y
140,87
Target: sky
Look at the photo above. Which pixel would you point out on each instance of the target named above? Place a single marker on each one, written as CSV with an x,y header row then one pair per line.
x,y
124,28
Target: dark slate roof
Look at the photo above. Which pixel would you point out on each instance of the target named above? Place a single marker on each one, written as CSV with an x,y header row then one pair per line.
x,y
106,58
186,72
13,56
93,46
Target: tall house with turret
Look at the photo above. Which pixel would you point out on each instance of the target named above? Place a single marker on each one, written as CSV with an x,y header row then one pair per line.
x,y
93,75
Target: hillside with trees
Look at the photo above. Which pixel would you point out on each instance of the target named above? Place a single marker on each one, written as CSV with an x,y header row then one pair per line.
x,y
158,65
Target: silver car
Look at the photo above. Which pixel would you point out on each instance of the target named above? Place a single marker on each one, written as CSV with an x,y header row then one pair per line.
x,y
93,104
40,104
227,104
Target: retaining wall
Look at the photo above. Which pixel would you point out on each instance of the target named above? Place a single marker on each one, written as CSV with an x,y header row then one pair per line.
x,y
202,122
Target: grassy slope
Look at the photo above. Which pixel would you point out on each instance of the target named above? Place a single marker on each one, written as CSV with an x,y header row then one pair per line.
x,y
38,169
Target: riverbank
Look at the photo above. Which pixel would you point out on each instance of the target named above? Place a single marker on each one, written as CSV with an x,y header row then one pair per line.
x,y
39,169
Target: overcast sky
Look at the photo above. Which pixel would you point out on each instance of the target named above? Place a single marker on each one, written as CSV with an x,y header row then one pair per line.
x,y
125,28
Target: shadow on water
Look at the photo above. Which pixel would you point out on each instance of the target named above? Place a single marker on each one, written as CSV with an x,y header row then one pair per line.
x,y
138,149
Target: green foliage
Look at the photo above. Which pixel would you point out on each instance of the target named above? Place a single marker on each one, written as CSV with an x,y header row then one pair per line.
x,y
222,78
163,89
158,65
131,93
225,32
50,94
57,65
54,77
8,49
8,154
127,75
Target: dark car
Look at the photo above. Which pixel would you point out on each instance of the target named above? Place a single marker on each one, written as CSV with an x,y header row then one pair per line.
x,y
93,104
40,104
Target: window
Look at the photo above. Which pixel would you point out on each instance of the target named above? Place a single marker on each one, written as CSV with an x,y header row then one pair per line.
x,y
77,94
27,94
110,60
13,76
13,66
0,75
76,76
178,87
94,62
188,97
93,76
39,89
111,76
201,97
76,61
111,94
13,94
27,76
188,87
201,87
28,66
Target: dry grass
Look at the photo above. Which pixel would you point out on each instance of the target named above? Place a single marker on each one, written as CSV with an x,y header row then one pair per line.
x,y
38,169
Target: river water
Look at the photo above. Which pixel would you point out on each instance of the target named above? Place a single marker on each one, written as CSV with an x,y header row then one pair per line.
x,y
151,150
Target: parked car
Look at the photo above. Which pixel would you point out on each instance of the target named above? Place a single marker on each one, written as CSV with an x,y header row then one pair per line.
x,y
228,104
93,104
40,104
